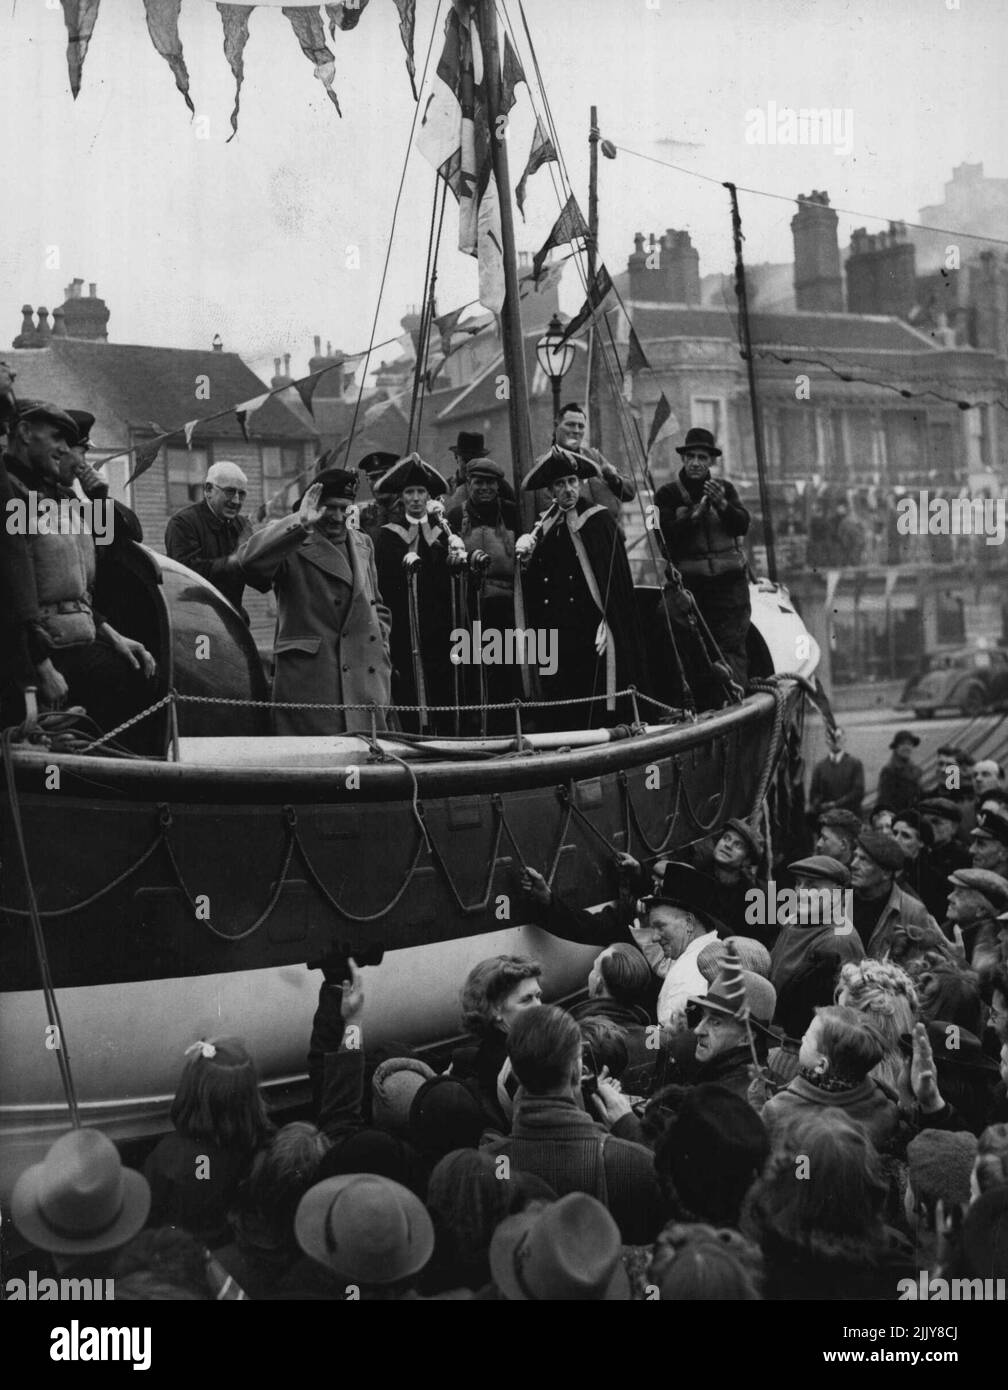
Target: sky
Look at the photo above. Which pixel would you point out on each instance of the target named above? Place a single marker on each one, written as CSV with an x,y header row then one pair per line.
x,y
189,236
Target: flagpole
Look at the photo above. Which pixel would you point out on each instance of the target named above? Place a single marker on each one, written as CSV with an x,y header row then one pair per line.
x,y
510,316
594,410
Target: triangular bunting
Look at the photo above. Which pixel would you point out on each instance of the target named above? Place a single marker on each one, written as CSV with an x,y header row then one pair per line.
x,y
662,417
569,226
235,19
247,409
307,25
596,295
407,26
345,15
144,456
512,73
162,25
542,152
636,360
80,16
187,430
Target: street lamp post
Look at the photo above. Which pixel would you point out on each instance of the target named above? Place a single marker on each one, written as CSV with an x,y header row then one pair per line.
x,y
556,358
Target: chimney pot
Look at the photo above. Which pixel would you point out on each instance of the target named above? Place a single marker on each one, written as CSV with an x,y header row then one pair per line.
x,y
286,361
276,366
318,346
92,289
59,324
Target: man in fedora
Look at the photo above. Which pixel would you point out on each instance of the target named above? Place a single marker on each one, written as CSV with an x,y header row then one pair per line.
x,y
723,1055
703,522
578,585
899,783
80,1204
569,1250
332,634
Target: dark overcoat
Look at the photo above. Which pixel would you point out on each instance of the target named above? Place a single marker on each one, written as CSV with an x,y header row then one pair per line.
x,y
332,634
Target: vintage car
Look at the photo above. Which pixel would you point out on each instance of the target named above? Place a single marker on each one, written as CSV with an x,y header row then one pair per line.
x,y
965,680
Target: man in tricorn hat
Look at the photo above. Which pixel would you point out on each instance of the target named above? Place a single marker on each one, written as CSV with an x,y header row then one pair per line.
x,y
703,522
332,635
578,585
418,540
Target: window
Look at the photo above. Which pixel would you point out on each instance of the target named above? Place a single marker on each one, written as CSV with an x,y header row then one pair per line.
x,y
798,452
707,413
186,473
284,461
905,445
979,438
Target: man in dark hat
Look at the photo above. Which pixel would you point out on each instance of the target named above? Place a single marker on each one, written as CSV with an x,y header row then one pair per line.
x,y
20,648
809,952
975,903
578,585
703,522
207,535
899,783
880,905
467,447
80,658
838,780
837,834
488,525
989,840
418,545
919,875
736,857
374,514
944,816
332,634
126,525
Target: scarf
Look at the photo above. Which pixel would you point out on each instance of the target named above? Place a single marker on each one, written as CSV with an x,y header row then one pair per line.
x,y
831,1084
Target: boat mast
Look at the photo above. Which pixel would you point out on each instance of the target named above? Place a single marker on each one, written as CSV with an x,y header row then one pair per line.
x,y
594,338
510,317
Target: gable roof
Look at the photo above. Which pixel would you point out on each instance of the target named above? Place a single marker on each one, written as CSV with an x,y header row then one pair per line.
x,y
800,329
127,387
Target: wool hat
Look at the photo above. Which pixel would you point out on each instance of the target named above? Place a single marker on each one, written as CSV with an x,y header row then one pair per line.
x,y
445,1115
558,463
468,446
752,954
711,959
393,1087
365,1229
990,885
904,736
80,1199
942,808
699,439
49,414
753,839
984,1240
882,850
412,471
939,1165
714,1140
843,820
569,1250
991,825
484,468
821,868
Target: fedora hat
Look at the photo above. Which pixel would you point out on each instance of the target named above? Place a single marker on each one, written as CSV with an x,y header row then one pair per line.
x,y
80,1199
724,998
569,1250
365,1229
699,439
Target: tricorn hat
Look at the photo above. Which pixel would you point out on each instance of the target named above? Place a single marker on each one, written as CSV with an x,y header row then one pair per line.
x,y
699,439
412,472
558,463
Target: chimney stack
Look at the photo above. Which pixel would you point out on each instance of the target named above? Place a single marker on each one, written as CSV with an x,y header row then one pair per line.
x,y
680,264
318,345
882,272
218,343
85,317
817,280
287,358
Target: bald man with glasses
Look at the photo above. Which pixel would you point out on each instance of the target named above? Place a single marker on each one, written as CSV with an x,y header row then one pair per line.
x,y
207,535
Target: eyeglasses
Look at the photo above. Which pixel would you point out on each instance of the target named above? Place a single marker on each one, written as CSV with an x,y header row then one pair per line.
x,y
234,492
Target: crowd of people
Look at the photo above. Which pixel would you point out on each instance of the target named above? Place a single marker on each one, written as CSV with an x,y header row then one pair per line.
x,y
768,1091
371,599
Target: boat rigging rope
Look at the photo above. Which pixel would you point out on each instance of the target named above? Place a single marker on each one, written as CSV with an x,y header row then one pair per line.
x,y
52,1006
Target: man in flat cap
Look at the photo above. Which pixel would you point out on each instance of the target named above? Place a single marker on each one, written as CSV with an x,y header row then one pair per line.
x,y
207,535
416,543
899,783
944,816
838,779
976,901
578,585
332,633
808,954
703,522
837,835
80,659
488,526
880,906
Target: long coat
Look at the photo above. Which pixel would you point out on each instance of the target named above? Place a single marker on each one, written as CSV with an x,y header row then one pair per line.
x,y
332,634
433,611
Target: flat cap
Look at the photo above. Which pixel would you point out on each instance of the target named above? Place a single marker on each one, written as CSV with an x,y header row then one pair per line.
x,y
943,808
49,414
484,468
990,885
883,850
823,868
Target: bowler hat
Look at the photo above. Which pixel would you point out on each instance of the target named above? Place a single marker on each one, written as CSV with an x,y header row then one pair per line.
x,y
49,414
904,736
823,868
942,808
80,1199
699,439
753,839
568,1250
412,471
365,1229
468,446
559,463
484,468
883,850
991,886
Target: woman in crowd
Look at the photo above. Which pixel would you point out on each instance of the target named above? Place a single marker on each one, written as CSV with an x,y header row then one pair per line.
x,y
494,994
886,995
